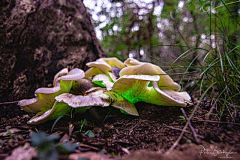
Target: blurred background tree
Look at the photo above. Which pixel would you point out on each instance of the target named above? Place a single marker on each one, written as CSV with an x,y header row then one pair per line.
x,y
194,41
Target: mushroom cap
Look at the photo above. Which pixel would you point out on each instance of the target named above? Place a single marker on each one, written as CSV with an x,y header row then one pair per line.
x,y
98,97
114,62
57,110
92,72
45,96
121,103
132,62
44,100
139,77
103,80
165,81
73,75
136,88
104,65
81,101
63,72
26,105
170,97
133,87
101,65
81,86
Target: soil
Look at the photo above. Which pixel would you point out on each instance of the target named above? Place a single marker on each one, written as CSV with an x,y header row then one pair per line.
x,y
118,135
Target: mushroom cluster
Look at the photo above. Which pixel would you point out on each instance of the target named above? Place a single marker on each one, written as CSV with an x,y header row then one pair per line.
x,y
108,82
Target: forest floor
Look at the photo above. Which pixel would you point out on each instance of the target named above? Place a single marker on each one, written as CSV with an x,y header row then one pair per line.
x,y
121,136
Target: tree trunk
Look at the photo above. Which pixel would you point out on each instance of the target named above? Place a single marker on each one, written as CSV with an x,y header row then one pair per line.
x,y
37,39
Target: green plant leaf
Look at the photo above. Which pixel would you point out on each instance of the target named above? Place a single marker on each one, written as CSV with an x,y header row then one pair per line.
x,y
90,134
67,147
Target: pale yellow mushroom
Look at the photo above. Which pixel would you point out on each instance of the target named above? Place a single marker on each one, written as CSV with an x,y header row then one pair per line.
x,y
136,88
98,97
103,80
140,68
45,97
114,62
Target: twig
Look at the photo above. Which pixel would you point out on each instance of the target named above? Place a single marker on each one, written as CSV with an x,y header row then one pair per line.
x,y
195,135
88,146
210,112
2,103
185,127
178,140
125,150
211,121
131,130
178,129
107,115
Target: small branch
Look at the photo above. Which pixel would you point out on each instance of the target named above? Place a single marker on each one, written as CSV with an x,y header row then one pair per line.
x,y
210,121
9,102
210,112
88,146
184,130
107,116
178,129
178,140
131,130
186,125
195,135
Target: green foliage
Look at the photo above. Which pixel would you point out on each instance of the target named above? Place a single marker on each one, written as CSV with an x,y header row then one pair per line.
x,y
222,62
90,134
183,118
56,121
47,147
67,147
82,124
10,134
219,67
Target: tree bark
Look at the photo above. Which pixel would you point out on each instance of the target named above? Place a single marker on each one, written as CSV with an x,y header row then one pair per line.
x,y
37,39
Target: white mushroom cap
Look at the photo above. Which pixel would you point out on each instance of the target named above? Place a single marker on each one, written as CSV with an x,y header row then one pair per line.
x,y
172,98
45,96
57,110
63,72
165,81
98,97
73,75
92,72
135,88
114,62
101,65
80,86
120,102
81,101
28,102
132,62
103,80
